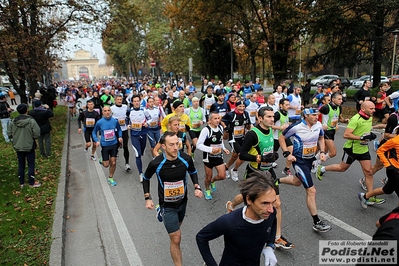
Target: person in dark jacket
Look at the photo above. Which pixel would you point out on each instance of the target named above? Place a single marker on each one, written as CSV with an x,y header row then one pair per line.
x,y
23,131
41,113
306,92
362,94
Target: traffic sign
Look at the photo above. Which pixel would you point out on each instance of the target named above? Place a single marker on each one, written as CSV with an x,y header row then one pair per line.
x,y
153,63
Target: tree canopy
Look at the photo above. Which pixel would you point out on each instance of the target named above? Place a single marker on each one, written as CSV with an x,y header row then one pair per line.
x,y
32,31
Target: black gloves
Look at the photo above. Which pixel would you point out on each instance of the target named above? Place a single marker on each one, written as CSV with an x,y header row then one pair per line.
x,y
269,158
368,136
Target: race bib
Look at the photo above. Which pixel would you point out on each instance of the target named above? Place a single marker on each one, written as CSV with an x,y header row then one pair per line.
x,y
153,124
180,143
182,127
309,149
122,121
218,147
135,126
109,134
367,98
196,124
334,122
221,114
208,107
90,122
173,191
298,111
252,113
238,131
97,110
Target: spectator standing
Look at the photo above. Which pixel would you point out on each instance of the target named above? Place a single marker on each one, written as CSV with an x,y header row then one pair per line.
x,y
23,131
5,111
41,113
12,97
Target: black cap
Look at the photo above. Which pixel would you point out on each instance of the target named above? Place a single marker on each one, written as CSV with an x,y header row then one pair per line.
x,y
177,104
22,108
37,103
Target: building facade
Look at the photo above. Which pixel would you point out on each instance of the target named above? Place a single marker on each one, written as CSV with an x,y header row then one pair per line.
x,y
84,66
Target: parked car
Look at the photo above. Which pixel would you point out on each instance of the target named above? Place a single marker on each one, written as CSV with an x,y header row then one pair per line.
x,y
5,90
11,88
358,83
394,78
323,80
345,82
384,79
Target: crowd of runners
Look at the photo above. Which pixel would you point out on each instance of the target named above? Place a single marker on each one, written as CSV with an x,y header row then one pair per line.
x,y
218,119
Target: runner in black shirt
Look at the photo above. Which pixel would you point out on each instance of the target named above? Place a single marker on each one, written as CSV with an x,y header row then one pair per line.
x,y
89,119
171,168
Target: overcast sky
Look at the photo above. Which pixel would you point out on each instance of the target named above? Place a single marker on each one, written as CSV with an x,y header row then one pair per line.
x,y
93,46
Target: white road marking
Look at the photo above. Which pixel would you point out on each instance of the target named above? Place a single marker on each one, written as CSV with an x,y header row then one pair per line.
x,y
344,226
127,242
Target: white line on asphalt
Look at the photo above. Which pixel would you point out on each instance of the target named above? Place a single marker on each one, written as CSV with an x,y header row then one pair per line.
x,y
344,226
127,242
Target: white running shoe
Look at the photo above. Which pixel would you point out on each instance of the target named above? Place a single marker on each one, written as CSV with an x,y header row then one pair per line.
x,y
274,165
234,175
141,177
127,167
315,164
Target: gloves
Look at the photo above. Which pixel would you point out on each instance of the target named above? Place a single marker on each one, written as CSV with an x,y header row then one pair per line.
x,y
368,136
270,257
269,158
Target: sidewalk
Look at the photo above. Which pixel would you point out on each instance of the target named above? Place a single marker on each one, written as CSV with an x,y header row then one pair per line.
x,y
77,240
84,230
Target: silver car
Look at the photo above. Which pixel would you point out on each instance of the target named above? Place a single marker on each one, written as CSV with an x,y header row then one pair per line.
x,y
323,80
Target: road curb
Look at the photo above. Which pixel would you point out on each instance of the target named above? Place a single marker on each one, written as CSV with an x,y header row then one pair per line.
x,y
57,255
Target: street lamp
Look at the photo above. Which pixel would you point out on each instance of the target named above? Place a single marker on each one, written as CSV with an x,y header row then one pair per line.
x,y
395,34
300,59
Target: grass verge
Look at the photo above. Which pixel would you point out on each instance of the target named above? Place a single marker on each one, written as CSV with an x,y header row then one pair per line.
x,y
26,215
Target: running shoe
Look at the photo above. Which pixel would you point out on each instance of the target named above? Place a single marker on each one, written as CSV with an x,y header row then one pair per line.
x,y
321,227
100,161
229,208
375,144
234,175
363,184
274,165
21,186
36,184
85,150
227,173
315,164
375,201
363,201
208,195
287,172
141,177
159,213
384,180
283,243
127,167
319,173
213,186
93,158
111,182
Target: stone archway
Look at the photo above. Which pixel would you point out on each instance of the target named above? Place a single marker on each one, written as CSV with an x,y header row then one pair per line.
x,y
84,72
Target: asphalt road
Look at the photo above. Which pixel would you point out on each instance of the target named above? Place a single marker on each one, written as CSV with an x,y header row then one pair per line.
x,y
110,225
